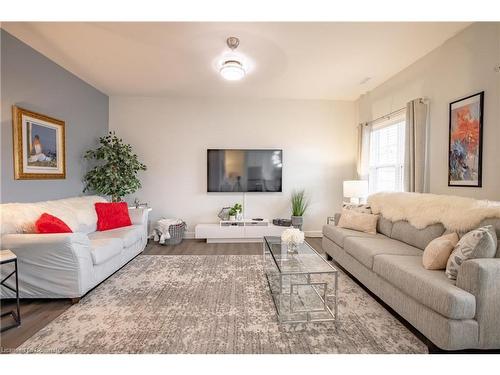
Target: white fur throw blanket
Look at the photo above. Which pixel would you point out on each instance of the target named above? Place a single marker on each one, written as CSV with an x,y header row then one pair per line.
x,y
78,213
420,210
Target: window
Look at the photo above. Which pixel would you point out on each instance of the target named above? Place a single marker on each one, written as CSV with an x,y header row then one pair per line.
x,y
386,161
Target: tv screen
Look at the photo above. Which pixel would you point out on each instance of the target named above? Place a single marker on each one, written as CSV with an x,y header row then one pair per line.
x,y
244,170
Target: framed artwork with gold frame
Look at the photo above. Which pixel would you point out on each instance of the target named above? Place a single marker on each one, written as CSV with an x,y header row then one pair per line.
x,y
39,146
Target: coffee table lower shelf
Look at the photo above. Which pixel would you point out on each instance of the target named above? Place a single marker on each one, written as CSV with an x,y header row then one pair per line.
x,y
303,300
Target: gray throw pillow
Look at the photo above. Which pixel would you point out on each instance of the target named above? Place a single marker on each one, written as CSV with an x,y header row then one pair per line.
x,y
478,243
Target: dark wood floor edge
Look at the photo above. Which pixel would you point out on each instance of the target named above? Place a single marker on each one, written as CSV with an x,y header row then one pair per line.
x,y
433,348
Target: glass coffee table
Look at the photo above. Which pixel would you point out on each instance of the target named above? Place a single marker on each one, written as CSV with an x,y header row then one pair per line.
x,y
303,284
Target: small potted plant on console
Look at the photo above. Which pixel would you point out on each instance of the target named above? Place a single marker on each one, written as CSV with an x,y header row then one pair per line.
x,y
235,212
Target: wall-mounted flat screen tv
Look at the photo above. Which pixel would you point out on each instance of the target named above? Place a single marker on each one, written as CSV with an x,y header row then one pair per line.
x,y
244,170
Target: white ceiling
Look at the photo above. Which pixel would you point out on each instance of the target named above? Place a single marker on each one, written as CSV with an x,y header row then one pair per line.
x,y
299,60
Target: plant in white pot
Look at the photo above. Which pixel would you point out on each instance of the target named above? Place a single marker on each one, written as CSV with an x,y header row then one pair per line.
x,y
116,173
235,212
299,207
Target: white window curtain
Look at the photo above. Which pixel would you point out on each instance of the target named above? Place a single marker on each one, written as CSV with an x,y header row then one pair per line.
x,y
364,134
416,147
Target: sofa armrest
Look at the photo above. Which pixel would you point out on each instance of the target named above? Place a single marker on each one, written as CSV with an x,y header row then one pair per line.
x,y
481,277
138,216
39,242
52,265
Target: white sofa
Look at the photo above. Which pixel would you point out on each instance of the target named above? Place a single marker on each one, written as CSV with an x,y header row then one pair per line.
x,y
67,265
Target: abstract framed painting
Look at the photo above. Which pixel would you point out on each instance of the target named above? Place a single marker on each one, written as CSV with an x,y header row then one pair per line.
x,y
466,141
39,146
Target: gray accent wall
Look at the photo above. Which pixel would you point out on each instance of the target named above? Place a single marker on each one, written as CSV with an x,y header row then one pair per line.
x,y
32,81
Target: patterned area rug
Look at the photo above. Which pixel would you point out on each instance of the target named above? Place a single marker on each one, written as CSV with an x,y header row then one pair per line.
x,y
212,304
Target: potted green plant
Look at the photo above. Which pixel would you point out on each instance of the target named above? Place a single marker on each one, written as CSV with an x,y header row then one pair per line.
x,y
234,212
299,207
116,172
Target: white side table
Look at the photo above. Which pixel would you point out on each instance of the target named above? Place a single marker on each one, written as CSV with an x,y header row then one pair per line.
x,y
6,257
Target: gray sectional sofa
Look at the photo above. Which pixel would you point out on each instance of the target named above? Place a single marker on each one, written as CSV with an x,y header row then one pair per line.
x,y
453,315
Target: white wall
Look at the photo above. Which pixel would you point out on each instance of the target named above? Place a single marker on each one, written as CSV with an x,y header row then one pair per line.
x,y
462,66
171,136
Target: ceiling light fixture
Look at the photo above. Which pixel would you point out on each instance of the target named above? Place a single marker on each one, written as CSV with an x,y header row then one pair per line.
x,y
232,69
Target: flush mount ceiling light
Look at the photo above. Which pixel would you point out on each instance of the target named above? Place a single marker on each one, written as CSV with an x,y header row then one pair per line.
x,y
232,69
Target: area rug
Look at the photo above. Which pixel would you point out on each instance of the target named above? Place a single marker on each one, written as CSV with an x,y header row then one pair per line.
x,y
212,304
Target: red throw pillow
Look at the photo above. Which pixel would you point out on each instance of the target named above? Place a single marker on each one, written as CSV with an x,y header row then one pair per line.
x,y
47,223
112,215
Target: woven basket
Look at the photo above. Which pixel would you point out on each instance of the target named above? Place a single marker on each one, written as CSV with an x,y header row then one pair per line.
x,y
176,234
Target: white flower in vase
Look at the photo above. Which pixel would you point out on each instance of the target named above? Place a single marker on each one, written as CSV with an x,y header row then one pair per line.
x,y
292,237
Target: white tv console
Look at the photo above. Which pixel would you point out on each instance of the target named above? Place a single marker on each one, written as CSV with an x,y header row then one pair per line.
x,y
237,231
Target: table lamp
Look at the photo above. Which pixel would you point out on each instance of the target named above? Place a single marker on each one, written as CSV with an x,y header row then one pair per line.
x,y
355,190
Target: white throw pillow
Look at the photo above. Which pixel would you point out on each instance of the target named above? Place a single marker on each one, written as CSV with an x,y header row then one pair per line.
x,y
478,243
358,221
438,251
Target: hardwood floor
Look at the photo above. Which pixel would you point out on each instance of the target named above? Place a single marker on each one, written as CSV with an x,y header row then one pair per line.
x,y
200,247
37,313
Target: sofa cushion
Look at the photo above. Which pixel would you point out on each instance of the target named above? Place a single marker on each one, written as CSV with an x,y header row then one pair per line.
x,y
338,235
430,287
130,235
103,249
404,231
351,219
384,226
366,249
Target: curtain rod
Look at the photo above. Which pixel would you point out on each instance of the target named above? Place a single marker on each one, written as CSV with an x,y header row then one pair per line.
x,y
388,116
